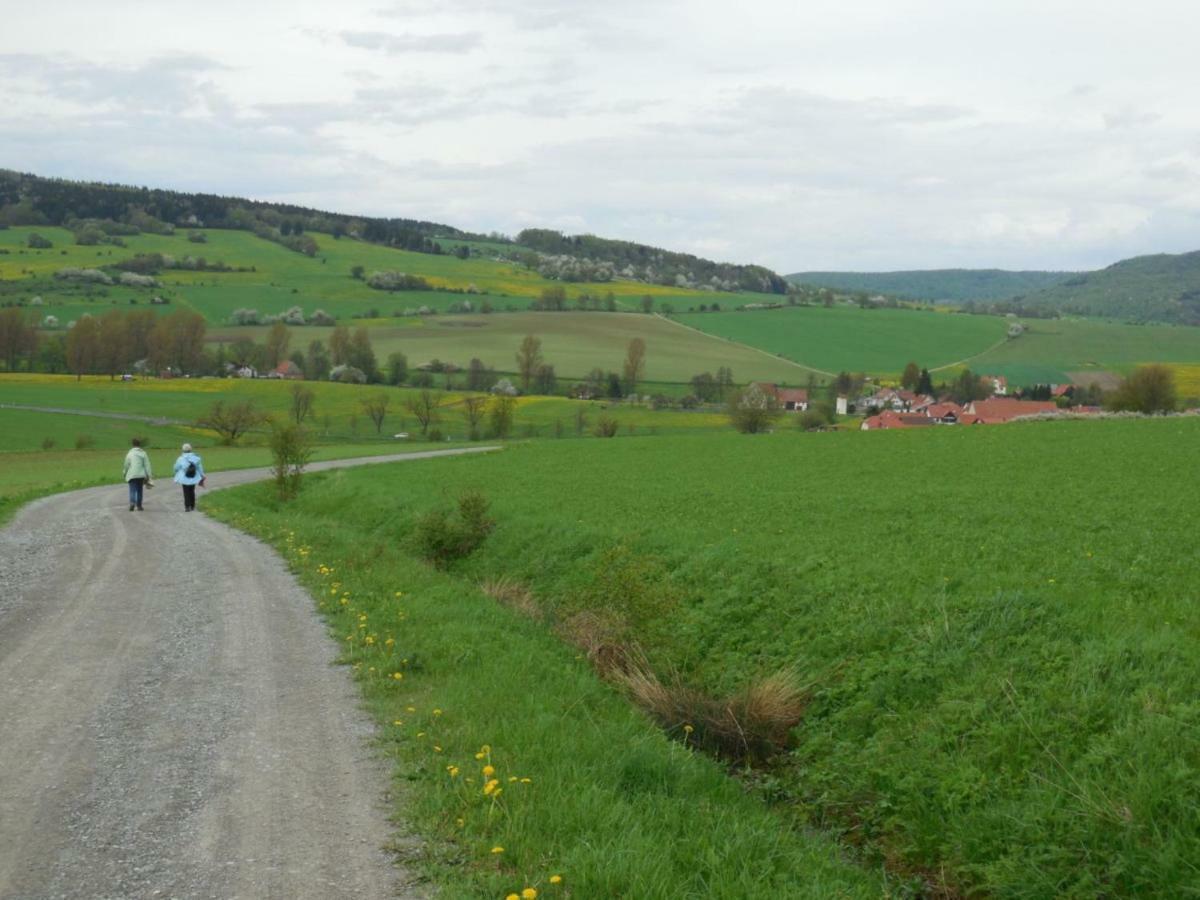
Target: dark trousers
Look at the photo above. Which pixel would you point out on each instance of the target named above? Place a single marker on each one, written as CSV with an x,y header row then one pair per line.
x,y
135,491
189,496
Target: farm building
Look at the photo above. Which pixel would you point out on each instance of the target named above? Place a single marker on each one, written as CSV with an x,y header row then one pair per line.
x,y
288,370
1005,409
790,399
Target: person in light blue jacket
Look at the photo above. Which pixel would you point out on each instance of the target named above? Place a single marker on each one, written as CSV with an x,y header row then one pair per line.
x,y
189,472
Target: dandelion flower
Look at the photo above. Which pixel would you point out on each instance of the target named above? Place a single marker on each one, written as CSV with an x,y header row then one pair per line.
x,y
497,849
512,897
488,771
437,712
556,879
529,894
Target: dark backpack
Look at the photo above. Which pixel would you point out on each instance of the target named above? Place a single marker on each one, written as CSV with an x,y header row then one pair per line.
x,y
190,471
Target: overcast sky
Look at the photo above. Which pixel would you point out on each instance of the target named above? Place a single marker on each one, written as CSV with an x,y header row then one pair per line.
x,y
800,134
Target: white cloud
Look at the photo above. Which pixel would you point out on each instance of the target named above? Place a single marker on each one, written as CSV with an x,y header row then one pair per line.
x,y
858,134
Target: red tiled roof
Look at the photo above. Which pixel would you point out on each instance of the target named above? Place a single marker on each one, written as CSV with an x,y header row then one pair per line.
x,y
791,395
1003,409
939,410
891,419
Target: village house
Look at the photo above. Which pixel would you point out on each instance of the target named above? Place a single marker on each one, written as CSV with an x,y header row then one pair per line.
x,y
790,399
1004,409
999,384
891,419
287,370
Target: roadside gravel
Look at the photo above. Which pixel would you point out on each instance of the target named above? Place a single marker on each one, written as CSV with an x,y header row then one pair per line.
x,y
172,723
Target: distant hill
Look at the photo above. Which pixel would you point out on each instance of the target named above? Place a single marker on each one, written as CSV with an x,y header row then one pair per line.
x,y
624,259
100,213
938,285
1160,288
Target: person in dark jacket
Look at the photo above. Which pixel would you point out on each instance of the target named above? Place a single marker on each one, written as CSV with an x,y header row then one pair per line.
x,y
189,472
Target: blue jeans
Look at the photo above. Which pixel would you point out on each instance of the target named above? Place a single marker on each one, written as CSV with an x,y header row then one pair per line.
x,y
135,491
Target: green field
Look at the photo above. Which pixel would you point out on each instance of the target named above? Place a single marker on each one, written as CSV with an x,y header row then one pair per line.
x,y
876,341
282,277
1001,695
574,343
338,413
882,341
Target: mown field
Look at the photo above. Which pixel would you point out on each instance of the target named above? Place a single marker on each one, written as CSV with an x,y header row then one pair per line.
x,y
574,343
876,341
882,341
1001,694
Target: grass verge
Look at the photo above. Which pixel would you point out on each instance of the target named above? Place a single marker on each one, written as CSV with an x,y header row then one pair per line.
x,y
518,764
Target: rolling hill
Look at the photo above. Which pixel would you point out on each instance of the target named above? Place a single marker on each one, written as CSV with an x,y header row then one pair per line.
x,y
939,285
1164,287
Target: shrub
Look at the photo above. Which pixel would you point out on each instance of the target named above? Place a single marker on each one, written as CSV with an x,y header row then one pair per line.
x,y
441,538
813,419
291,450
84,442
396,281
230,421
1149,390
753,410
48,443
37,242
606,426
348,375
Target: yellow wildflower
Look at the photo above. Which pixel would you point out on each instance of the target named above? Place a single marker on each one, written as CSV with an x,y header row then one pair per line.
x,y
497,849
556,879
490,787
529,894
488,771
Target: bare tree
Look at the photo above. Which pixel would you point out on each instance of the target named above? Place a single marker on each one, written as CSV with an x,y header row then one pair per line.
x,y
473,410
529,357
376,408
231,421
277,341
425,407
83,346
302,402
635,364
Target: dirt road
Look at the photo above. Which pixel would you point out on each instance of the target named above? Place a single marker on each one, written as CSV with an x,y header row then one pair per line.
x,y
171,724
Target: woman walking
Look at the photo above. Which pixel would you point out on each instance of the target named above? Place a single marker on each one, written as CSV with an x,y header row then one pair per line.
x,y
189,472
137,474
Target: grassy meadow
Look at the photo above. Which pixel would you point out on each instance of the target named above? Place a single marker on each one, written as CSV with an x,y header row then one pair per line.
x,y
573,342
1001,694
45,452
281,278
882,341
876,341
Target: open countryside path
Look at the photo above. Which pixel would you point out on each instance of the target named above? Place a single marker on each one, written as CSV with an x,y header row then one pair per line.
x,y
171,722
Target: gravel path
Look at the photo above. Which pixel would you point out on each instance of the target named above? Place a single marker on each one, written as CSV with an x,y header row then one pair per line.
x,y
171,721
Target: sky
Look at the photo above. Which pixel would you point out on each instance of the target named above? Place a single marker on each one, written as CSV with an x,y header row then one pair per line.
x,y
857,134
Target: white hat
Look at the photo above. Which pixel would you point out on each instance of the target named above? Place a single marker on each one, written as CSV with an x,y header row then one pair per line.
x,y
187,448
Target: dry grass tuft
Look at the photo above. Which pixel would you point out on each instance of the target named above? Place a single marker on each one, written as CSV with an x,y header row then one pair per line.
x,y
603,636
749,727
514,594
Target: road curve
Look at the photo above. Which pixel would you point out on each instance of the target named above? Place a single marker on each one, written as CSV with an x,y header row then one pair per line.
x,y
171,722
